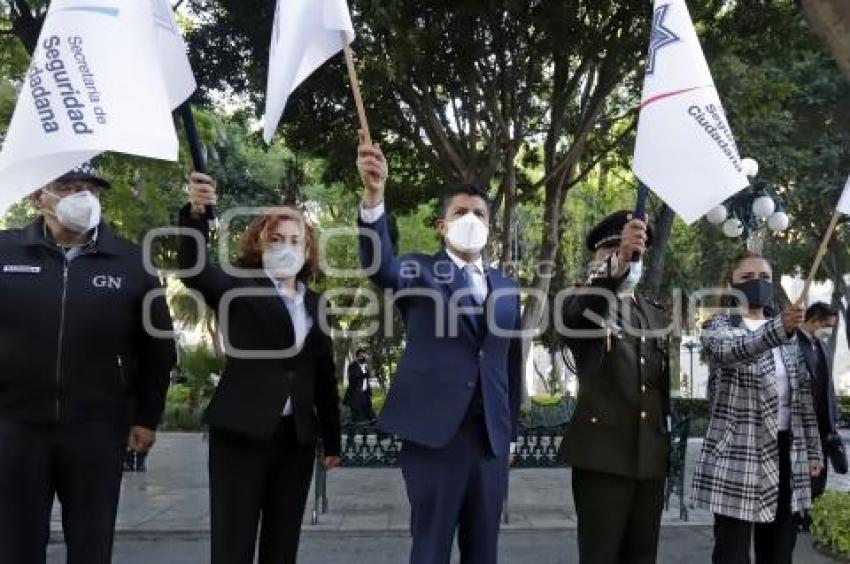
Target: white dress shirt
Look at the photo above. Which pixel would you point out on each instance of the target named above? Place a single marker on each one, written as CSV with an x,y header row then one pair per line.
x,y
365,371
783,388
301,321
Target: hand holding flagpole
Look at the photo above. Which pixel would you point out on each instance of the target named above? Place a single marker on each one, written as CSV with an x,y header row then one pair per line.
x,y
198,161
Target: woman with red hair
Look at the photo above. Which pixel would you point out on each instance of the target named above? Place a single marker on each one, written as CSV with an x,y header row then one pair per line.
x,y
278,394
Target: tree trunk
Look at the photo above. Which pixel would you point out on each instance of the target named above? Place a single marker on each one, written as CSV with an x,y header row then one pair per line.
x,y
26,25
655,268
831,21
509,194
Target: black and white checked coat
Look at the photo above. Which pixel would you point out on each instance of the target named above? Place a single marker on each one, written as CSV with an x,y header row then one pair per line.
x,y
737,473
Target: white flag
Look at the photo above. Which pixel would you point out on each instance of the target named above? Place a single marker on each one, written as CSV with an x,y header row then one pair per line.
x,y
96,83
179,78
844,202
685,151
306,34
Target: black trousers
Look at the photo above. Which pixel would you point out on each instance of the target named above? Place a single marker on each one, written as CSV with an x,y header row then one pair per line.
x,y
80,464
619,518
774,542
258,485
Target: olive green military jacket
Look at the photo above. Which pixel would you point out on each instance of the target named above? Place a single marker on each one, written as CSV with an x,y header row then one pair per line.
x,y
621,423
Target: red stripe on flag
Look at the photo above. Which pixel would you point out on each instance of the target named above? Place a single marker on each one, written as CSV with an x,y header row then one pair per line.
x,y
669,95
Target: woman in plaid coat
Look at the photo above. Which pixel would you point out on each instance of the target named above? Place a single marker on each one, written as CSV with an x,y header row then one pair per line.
x,y
762,444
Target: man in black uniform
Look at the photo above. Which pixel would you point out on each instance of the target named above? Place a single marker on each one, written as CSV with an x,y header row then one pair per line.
x,y
359,393
617,441
81,380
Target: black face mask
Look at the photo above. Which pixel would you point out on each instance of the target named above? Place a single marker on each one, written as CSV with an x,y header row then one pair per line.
x,y
759,293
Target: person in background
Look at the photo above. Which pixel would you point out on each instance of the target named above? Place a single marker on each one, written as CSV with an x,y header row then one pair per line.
x,y
359,393
82,377
278,394
812,336
617,442
762,447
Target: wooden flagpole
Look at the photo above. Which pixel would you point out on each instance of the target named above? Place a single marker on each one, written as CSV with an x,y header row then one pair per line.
x,y
824,246
355,88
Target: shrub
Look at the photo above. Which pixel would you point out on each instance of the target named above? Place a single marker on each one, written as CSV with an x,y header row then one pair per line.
x,y
178,394
378,403
831,523
546,400
195,367
177,417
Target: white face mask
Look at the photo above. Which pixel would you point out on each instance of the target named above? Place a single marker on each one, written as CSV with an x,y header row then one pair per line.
x,y
633,277
282,260
824,333
467,234
78,212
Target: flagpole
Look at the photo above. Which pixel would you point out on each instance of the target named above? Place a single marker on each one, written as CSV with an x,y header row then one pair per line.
x,y
640,210
355,88
824,246
198,161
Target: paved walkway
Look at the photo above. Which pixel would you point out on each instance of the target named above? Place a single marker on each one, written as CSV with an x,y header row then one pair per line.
x,y
166,509
171,497
691,545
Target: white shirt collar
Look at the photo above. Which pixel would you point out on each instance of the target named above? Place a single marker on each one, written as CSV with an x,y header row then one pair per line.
x,y
460,263
300,290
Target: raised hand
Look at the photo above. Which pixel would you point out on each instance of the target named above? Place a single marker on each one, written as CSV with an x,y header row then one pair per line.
x,y
633,240
202,192
372,166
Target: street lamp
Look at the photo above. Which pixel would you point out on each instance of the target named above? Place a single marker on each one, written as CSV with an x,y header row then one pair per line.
x,y
752,211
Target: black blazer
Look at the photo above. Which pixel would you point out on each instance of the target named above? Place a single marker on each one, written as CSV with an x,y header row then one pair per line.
x,y
255,386
823,387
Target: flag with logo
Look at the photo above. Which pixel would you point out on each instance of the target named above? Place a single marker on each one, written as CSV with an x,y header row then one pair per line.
x,y
306,34
685,150
105,76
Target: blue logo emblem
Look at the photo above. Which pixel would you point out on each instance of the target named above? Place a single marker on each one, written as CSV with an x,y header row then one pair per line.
x,y
660,37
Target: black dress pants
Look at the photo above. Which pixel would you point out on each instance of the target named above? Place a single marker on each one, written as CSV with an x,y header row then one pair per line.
x,y
79,463
258,485
773,542
619,518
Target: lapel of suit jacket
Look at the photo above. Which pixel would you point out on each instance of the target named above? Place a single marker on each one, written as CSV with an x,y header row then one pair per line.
x,y
808,353
311,303
452,283
278,313
497,282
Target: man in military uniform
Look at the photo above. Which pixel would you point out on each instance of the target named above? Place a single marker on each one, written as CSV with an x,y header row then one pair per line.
x,y
617,441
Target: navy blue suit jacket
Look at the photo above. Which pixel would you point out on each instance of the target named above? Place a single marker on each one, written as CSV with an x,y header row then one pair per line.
x,y
445,354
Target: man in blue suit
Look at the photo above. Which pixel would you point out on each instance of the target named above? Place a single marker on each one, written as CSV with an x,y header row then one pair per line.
x,y
457,390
